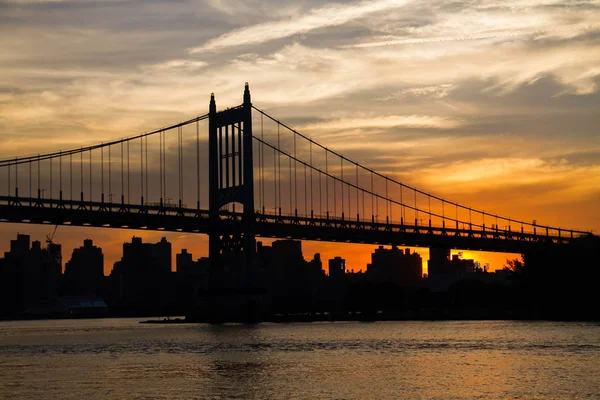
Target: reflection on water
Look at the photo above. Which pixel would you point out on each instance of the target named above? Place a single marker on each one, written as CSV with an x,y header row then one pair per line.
x,y
119,358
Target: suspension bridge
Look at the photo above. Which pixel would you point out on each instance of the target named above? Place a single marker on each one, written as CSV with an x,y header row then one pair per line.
x,y
240,173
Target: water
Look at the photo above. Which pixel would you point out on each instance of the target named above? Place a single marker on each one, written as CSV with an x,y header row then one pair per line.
x,y
121,359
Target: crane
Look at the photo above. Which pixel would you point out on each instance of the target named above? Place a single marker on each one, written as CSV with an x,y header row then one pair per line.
x,y
50,237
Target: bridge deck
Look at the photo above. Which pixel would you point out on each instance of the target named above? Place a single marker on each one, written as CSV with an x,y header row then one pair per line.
x,y
170,218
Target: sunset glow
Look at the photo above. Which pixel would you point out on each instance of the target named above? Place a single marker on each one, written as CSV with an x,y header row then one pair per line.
x,y
493,105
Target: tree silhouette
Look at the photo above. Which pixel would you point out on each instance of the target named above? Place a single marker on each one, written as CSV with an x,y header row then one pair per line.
x,y
515,267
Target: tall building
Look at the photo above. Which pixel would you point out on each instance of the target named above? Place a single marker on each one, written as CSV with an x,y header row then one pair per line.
x,y
142,279
185,265
283,264
85,270
395,266
337,268
183,262
439,261
29,274
146,258
461,265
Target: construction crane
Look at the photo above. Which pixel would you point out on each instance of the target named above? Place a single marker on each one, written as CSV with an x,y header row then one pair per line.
x,y
54,250
49,238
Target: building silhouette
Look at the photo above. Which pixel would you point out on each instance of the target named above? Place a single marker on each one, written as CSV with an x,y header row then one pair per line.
x,y
337,268
288,287
185,265
143,259
142,280
439,261
293,284
84,272
29,275
395,266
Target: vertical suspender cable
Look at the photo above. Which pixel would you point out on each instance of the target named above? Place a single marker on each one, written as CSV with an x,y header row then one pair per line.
x,y
146,171
142,170
279,163
178,164
342,182
181,164
403,210
372,197
334,182
326,183
305,193
295,176
260,182
363,204
71,177
128,177
38,176
274,181
262,162
416,209
80,174
320,197
102,169
388,210
109,176
443,215
357,191
377,205
122,174
311,178
290,170
50,159
160,165
60,173
197,165
164,163
90,177
181,161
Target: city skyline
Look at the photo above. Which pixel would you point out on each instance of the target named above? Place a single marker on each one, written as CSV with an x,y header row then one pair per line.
x,y
488,105
309,248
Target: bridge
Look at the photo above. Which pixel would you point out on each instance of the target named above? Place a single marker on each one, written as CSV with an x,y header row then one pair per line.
x,y
240,173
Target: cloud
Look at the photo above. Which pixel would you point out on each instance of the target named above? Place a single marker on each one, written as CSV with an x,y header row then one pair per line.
x,y
175,66
391,121
327,16
563,182
434,92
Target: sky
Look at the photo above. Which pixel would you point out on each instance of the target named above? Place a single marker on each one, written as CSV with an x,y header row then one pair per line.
x,y
493,104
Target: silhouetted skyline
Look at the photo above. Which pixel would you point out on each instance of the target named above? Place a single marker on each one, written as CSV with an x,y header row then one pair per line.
x,y
285,284
423,104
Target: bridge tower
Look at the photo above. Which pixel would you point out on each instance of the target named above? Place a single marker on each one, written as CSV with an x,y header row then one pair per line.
x,y
231,181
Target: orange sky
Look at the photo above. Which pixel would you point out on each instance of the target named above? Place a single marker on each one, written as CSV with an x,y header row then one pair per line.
x,y
357,256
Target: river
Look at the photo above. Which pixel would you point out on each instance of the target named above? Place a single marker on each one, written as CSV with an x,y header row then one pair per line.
x,y
122,359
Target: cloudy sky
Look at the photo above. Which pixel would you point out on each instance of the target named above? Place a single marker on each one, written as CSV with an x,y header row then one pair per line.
x,y
490,103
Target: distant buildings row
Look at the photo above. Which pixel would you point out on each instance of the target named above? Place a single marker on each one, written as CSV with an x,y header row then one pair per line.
x,y
31,277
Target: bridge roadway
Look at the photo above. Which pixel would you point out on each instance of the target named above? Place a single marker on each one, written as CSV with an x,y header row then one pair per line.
x,y
176,219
